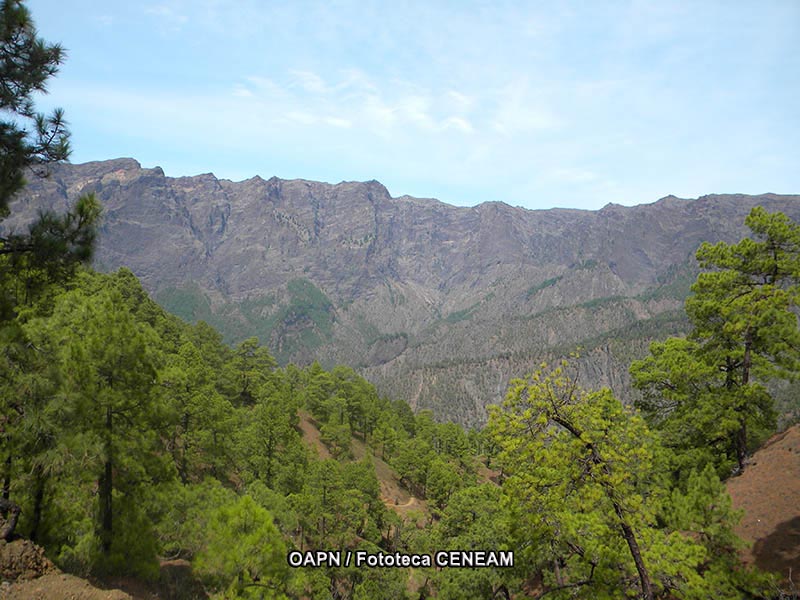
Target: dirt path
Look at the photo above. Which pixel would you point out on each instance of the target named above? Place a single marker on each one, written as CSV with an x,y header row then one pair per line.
x,y
311,435
411,502
394,495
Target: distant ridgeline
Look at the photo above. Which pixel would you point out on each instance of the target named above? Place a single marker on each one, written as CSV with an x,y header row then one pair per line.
x,y
434,303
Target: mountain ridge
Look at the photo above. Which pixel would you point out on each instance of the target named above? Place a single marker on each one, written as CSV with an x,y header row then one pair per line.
x,y
409,290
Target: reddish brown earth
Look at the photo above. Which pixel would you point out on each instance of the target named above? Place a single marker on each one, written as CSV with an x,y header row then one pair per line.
x,y
311,435
768,491
27,574
59,586
21,560
34,577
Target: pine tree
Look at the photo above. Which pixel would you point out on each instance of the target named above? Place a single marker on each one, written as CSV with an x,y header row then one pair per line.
x,y
110,404
243,552
269,444
707,392
26,63
584,483
476,518
29,141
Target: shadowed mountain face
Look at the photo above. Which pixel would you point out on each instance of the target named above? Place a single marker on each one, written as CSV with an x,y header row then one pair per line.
x,y
437,304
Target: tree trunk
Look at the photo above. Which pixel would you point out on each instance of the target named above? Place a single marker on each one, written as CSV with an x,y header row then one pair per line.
x,y
627,531
6,485
741,435
106,489
633,546
741,443
9,523
184,467
38,501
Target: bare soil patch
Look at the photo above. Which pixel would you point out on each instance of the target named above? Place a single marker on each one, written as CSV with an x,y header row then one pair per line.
x,y
311,435
769,493
22,560
27,573
58,586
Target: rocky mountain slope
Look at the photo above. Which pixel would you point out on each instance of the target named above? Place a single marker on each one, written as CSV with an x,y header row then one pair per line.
x,y
437,304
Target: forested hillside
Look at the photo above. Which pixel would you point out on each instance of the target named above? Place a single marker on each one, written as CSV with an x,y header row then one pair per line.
x,y
133,435
132,440
130,435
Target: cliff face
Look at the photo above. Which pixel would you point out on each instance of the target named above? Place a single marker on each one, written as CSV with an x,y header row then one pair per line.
x,y
437,304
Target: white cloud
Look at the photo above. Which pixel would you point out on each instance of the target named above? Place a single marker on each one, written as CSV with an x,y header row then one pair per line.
x,y
457,123
459,102
301,117
517,109
306,118
416,109
167,15
355,80
354,100
378,113
511,119
339,122
265,86
242,92
309,81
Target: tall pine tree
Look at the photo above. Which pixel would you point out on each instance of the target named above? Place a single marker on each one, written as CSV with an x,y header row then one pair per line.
x,y
29,141
708,391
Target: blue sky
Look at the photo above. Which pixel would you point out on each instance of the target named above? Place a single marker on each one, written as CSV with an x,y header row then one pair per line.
x,y
536,104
